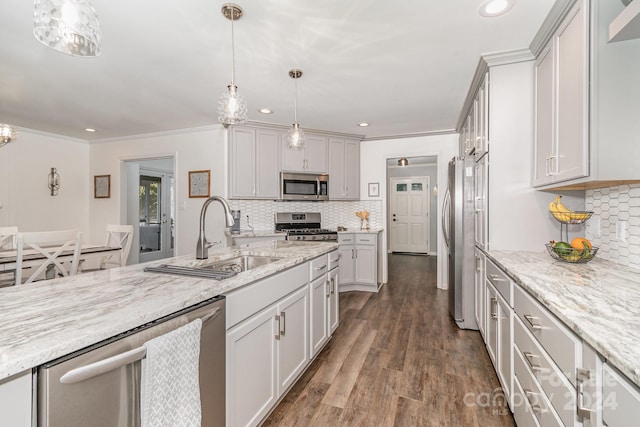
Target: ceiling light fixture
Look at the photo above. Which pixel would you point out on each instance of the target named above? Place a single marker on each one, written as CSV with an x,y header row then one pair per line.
x,y
296,135
363,124
7,134
403,161
89,130
265,111
68,26
493,8
232,110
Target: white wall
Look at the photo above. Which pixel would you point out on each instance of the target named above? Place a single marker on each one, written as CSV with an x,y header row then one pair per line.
x,y
195,149
24,195
373,168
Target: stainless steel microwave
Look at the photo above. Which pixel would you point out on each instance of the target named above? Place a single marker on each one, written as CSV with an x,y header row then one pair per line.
x,y
304,186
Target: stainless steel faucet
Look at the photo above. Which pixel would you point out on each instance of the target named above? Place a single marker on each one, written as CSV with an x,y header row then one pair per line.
x,y
202,247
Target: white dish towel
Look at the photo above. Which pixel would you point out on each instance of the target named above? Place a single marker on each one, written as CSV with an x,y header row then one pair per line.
x,y
170,387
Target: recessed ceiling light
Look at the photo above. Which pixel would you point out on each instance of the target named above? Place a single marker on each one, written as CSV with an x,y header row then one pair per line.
x,y
90,130
265,111
492,8
363,124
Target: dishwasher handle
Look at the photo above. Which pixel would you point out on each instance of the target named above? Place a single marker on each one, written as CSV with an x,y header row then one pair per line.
x,y
100,367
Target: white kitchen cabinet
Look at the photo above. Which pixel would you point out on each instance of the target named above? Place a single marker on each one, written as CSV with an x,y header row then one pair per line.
x,y
254,163
344,169
292,336
333,297
481,139
312,158
587,94
562,138
480,289
491,336
481,194
620,399
319,314
358,261
16,400
278,334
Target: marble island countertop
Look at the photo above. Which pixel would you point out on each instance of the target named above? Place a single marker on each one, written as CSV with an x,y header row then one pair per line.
x,y
45,320
599,301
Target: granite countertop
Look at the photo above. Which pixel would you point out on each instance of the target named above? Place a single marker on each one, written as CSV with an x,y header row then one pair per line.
x,y
44,320
256,233
599,301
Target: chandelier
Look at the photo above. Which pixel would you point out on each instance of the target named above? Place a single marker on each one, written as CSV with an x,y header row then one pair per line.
x,y
7,134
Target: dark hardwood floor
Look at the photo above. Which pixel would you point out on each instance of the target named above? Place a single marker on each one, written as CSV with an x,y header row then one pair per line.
x,y
397,359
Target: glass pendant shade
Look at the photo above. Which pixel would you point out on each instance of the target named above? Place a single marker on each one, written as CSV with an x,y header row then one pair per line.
x,y
296,137
232,110
68,26
7,134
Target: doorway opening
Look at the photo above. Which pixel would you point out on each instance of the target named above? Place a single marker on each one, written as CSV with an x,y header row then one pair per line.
x,y
149,206
412,205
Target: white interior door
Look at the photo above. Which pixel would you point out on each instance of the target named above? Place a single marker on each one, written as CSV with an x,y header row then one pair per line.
x,y
409,214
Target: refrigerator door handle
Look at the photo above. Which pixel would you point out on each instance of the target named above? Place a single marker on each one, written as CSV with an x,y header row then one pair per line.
x,y
446,206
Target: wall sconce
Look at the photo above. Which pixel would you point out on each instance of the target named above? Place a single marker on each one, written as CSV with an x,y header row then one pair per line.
x,y
54,181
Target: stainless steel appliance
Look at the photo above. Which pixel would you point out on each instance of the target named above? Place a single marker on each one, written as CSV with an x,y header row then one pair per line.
x,y
458,228
304,186
303,226
101,384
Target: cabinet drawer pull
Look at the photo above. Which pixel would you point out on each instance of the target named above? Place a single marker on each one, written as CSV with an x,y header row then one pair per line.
x,y
534,403
277,317
529,358
322,267
328,294
333,286
582,375
496,278
529,318
283,323
494,303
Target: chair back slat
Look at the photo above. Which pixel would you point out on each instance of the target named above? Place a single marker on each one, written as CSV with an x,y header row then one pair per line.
x,y
50,245
118,236
8,237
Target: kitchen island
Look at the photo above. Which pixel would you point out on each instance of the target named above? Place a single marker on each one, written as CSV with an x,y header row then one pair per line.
x,y
45,320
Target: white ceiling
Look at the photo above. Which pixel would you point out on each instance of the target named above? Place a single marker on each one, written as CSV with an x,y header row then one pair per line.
x,y
403,66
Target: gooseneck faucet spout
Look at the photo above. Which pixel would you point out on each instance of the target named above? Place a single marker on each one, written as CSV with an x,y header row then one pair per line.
x,y
202,247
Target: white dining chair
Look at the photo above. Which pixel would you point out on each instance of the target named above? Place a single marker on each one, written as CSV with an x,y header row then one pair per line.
x,y
48,246
8,242
118,236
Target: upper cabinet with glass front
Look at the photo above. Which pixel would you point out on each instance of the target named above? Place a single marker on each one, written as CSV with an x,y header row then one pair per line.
x,y
474,135
587,99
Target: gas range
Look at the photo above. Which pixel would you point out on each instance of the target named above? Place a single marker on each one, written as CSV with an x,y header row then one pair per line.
x,y
303,226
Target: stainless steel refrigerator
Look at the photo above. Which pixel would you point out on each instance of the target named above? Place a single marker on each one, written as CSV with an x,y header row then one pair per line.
x,y
458,228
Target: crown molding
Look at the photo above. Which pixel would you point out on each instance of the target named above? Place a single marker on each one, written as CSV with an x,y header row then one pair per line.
x,y
276,126
157,134
411,135
551,23
48,134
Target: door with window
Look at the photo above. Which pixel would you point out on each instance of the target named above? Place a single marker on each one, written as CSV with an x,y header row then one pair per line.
x,y
409,214
156,228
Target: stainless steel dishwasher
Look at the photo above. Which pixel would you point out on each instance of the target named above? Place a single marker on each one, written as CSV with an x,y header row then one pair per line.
x,y
102,383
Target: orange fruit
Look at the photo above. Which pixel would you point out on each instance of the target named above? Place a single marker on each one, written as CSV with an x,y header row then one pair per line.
x,y
580,243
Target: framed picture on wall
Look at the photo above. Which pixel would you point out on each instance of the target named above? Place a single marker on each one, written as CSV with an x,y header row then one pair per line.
x,y
374,189
102,186
199,183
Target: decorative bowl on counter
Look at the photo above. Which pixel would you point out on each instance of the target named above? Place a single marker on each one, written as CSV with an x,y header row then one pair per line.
x,y
572,255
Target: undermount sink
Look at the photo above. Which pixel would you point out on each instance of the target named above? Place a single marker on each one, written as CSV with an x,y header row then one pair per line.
x,y
218,270
242,263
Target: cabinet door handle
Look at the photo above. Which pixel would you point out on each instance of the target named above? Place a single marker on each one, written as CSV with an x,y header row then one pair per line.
x,y
283,323
553,172
546,166
352,253
582,375
529,358
494,303
530,319
277,317
332,288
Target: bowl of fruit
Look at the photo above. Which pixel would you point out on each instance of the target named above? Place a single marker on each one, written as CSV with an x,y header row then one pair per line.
x,y
580,250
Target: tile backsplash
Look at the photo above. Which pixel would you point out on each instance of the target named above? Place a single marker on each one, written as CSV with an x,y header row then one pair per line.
x,y
261,212
615,224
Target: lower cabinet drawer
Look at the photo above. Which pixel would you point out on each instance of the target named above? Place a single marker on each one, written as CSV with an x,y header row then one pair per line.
x,y
500,280
554,383
366,239
532,395
561,344
620,400
318,266
522,412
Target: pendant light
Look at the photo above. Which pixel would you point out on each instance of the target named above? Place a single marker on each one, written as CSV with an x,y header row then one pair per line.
x,y
296,135
68,26
232,110
7,134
